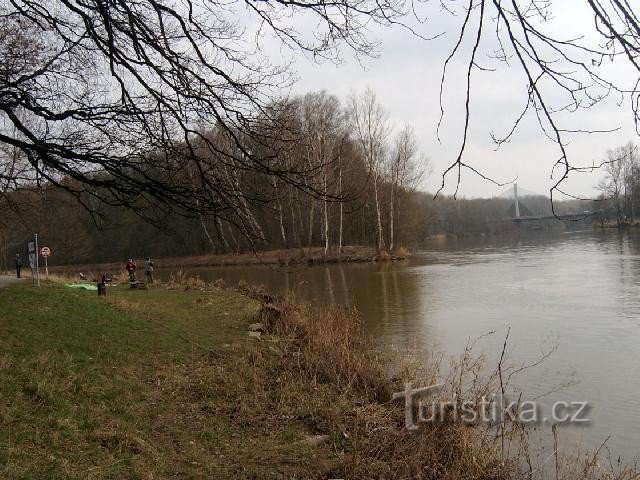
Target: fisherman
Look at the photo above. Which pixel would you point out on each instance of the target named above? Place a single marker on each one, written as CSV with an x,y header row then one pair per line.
x,y
148,270
18,265
131,268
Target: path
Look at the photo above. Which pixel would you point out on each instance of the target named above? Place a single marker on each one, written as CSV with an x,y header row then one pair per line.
x,y
6,280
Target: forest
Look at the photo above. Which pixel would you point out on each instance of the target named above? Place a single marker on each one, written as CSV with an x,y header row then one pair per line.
x,y
344,178
620,188
365,174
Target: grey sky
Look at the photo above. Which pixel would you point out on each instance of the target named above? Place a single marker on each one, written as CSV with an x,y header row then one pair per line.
x,y
406,79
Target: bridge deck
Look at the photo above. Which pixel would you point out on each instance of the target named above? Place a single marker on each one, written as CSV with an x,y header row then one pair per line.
x,y
569,216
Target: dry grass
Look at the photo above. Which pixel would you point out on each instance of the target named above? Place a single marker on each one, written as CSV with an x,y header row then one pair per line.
x,y
326,359
181,280
326,351
328,347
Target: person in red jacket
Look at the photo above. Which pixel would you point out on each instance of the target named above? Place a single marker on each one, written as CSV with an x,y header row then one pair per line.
x,y
131,268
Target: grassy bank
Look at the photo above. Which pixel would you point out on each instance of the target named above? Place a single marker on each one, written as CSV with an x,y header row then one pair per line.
x,y
294,256
92,389
168,384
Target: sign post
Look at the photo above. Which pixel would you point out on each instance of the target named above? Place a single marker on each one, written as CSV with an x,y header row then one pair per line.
x,y
45,252
37,261
33,261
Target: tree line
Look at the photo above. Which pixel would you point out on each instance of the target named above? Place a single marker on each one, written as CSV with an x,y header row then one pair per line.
x,y
364,178
619,200
344,177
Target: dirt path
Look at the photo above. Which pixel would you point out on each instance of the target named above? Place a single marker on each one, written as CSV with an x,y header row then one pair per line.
x,y
6,280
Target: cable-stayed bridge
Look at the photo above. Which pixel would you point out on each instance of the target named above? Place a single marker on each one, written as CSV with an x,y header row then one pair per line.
x,y
523,210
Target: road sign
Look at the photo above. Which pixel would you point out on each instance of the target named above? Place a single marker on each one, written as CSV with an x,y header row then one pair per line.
x,y
32,247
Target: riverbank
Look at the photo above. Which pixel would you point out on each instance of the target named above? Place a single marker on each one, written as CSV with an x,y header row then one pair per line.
x,y
168,383
616,225
289,257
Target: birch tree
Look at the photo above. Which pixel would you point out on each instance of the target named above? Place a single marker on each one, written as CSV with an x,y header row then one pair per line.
x,y
370,127
405,170
323,126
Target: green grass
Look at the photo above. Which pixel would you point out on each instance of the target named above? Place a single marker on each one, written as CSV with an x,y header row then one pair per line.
x,y
144,384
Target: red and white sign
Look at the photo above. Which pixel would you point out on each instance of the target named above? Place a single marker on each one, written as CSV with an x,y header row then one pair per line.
x,y
45,252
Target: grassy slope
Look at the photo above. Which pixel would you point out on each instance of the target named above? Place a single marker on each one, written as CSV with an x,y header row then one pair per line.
x,y
142,386
167,384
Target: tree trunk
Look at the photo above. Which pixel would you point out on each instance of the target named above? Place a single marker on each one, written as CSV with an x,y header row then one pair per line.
x,y
294,229
221,232
206,231
398,221
391,217
200,218
233,237
326,217
248,214
379,216
341,210
300,219
311,209
281,215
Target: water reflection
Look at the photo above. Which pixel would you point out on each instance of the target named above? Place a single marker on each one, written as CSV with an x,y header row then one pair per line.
x,y
389,297
578,291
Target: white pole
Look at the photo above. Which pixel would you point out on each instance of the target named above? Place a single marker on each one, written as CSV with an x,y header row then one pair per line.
x,y
37,263
515,195
46,266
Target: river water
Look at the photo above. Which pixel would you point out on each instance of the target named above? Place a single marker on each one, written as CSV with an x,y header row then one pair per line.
x,y
576,294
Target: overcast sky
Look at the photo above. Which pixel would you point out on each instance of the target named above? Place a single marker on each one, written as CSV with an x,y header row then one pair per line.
x,y
406,78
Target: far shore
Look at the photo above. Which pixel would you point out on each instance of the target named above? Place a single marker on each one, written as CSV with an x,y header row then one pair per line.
x,y
284,257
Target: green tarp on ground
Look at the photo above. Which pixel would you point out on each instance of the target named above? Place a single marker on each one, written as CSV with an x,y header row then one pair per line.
x,y
85,286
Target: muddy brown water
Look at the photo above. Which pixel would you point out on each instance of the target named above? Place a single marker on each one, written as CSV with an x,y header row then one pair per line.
x,y
575,293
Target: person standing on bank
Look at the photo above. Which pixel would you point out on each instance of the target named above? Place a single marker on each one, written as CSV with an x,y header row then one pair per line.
x,y
18,265
131,268
148,270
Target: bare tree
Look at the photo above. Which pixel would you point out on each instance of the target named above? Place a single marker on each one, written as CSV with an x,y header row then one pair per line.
x,y
613,185
322,127
371,130
110,93
341,194
620,184
405,170
563,74
631,170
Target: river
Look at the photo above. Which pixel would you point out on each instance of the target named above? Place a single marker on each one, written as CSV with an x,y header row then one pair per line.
x,y
576,293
